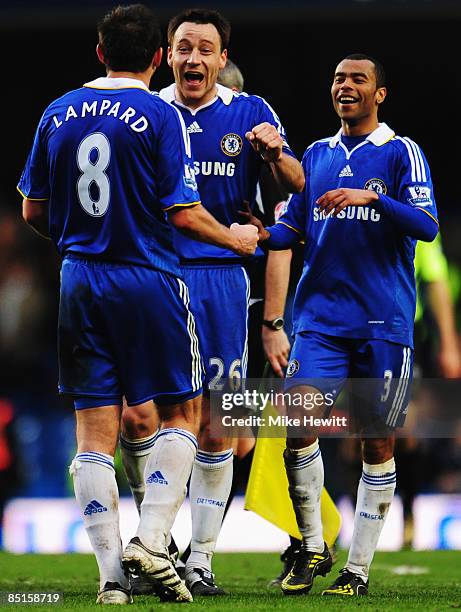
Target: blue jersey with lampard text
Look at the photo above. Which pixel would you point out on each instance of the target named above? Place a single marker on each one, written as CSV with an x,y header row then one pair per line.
x,y
111,158
226,166
358,276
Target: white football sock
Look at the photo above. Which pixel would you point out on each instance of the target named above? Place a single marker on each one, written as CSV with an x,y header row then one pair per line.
x,y
97,494
304,469
167,471
375,494
134,459
209,490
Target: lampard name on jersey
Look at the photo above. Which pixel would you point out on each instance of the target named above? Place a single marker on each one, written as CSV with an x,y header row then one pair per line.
x,y
104,107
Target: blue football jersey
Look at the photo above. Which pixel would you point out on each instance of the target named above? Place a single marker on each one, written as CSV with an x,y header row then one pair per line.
x,y
226,166
111,158
358,276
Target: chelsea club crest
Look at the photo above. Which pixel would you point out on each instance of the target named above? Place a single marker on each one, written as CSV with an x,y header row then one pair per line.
x,y
231,144
376,184
293,368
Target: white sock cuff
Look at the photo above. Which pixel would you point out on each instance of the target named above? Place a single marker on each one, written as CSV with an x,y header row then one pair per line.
x,y
172,433
92,457
140,446
298,458
379,476
214,461
380,468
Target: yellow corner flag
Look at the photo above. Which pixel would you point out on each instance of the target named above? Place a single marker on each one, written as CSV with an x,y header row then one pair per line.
x,y
267,492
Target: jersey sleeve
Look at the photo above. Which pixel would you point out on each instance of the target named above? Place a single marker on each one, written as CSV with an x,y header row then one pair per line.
x,y
34,182
294,215
415,186
267,113
175,166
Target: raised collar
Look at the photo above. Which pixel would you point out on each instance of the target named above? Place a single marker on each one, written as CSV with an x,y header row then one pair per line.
x,y
378,137
169,95
116,83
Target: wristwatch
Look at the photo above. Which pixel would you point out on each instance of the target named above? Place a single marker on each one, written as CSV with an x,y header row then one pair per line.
x,y
274,324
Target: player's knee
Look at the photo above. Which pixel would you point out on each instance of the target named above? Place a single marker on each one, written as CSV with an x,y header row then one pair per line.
x,y
185,415
377,450
298,443
212,445
136,425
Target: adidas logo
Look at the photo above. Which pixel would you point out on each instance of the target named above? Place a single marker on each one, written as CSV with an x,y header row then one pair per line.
x,y
94,507
157,478
194,128
346,171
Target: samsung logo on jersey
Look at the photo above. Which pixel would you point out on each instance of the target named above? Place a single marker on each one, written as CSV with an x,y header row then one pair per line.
x,y
105,107
206,168
361,213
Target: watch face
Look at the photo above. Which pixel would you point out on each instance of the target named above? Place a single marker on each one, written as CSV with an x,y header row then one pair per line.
x,y
278,323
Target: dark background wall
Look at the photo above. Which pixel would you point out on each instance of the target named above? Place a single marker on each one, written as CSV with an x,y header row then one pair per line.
x,y
287,52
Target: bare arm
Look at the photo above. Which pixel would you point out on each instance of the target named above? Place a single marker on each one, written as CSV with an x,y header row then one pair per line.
x,y
35,214
289,173
441,305
275,342
197,223
287,170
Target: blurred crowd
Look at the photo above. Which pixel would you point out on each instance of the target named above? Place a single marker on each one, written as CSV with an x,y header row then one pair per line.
x,y
29,282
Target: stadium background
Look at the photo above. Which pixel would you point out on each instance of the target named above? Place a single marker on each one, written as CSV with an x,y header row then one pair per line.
x,y
287,52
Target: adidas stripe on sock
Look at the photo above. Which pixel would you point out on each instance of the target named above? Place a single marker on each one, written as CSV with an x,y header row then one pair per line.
x,y
374,497
134,459
304,469
209,490
97,494
167,471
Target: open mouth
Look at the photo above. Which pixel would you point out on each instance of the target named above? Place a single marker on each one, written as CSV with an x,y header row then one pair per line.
x,y
193,77
347,100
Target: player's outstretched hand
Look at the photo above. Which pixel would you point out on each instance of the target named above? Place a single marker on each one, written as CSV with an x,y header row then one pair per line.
x,y
246,239
266,141
338,199
249,217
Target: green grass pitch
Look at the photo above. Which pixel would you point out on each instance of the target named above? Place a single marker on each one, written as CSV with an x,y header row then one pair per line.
x,y
430,581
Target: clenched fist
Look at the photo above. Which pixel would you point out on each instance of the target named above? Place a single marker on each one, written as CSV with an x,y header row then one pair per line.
x,y
266,141
246,239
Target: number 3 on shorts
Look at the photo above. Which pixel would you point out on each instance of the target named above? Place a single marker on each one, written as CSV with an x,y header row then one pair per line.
x,y
387,385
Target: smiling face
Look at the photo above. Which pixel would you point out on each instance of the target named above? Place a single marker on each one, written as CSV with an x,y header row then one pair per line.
x,y
196,59
356,98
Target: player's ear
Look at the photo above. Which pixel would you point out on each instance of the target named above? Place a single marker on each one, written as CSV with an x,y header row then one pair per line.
x,y
381,94
169,57
223,59
157,59
99,53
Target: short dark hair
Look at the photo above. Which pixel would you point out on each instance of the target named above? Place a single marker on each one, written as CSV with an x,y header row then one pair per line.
x,y
197,15
379,68
129,36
